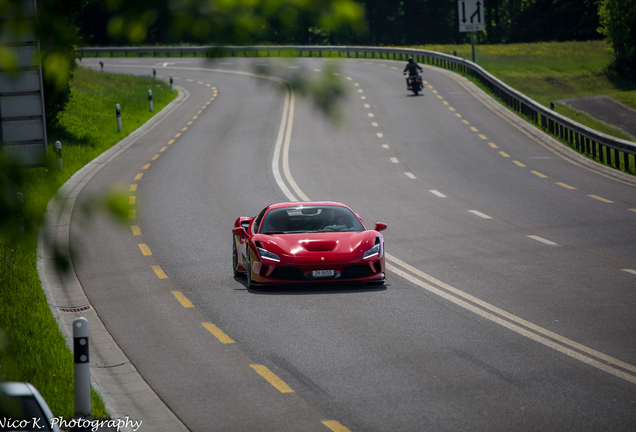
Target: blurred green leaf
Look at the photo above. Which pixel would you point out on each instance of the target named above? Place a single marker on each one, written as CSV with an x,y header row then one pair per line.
x,y
116,202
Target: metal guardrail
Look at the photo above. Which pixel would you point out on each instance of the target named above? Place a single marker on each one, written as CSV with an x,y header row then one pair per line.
x,y
620,154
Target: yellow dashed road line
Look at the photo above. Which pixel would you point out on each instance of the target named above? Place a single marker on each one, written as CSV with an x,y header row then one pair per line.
x,y
335,426
182,299
135,229
272,378
519,163
539,174
145,249
139,176
601,199
220,335
565,186
159,272
133,187
504,154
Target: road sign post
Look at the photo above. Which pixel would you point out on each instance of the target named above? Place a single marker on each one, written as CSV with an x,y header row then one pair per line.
x,y
471,18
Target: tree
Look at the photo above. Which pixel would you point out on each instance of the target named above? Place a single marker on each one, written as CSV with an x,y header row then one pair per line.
x,y
618,25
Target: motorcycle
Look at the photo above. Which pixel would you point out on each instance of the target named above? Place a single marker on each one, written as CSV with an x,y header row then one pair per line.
x,y
414,83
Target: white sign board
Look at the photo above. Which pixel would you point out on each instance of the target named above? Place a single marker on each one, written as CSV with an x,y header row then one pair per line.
x,y
471,15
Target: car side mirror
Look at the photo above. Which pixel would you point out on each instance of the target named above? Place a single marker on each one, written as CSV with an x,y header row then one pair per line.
x,y
240,231
379,226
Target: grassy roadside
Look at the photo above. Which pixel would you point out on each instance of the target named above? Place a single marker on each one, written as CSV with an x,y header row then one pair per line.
x,y
36,351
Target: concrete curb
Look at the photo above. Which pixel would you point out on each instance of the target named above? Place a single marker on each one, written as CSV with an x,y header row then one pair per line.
x,y
126,394
536,134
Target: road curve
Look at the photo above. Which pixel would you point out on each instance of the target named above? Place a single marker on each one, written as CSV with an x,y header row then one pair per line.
x,y
510,295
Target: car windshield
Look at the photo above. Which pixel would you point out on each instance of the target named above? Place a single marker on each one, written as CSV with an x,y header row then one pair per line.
x,y
310,219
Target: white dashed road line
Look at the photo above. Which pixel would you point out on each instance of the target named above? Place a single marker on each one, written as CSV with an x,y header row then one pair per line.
x,y
542,240
480,214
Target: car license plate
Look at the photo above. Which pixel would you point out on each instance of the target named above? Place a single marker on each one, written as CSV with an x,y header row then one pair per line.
x,y
322,273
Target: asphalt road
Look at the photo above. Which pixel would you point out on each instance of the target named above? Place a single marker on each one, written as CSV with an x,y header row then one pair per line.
x,y
511,291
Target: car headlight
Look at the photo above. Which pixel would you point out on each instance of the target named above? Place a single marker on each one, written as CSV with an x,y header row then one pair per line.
x,y
267,255
375,250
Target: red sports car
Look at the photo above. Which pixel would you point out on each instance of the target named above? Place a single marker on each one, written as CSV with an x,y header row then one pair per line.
x,y
307,242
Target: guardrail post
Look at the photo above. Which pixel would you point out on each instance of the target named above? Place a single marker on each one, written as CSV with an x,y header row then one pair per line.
x,y
82,368
171,84
150,100
601,157
58,154
154,74
118,114
101,64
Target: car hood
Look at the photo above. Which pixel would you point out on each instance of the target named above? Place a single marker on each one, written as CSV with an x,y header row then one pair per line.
x,y
311,244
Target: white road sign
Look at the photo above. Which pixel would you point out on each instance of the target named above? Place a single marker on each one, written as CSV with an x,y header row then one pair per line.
x,y
471,15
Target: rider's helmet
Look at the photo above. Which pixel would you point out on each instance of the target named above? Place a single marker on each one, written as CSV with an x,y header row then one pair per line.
x,y
411,60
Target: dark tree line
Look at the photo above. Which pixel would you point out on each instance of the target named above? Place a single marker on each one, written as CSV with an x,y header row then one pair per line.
x,y
391,22
411,22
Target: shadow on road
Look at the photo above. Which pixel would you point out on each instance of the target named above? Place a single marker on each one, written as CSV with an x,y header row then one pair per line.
x,y
312,288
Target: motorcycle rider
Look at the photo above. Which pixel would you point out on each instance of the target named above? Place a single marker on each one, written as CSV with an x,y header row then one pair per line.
x,y
412,67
